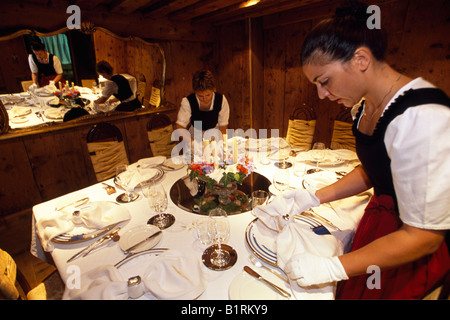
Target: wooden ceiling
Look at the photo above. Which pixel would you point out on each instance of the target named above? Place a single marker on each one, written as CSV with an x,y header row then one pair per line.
x,y
193,11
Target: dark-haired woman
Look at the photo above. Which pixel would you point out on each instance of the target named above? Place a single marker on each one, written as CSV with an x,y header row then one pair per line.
x,y
402,135
45,67
117,86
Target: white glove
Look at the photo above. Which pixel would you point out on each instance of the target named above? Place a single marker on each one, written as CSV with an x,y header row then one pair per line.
x,y
308,269
286,205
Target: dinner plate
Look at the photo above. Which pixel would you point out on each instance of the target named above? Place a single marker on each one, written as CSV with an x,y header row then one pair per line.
x,y
319,179
151,162
55,113
19,119
139,233
149,174
261,241
173,164
80,232
246,287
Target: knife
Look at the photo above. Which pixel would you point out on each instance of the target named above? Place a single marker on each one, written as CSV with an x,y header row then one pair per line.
x,y
142,242
318,217
74,203
79,253
253,273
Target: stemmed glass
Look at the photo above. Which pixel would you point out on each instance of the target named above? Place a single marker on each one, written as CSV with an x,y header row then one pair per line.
x,y
158,202
259,198
124,177
219,232
318,153
281,180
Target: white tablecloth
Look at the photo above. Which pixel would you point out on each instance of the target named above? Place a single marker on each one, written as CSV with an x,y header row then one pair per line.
x,y
181,236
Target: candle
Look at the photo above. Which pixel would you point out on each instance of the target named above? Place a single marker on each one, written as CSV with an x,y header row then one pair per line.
x,y
224,146
216,163
60,87
234,150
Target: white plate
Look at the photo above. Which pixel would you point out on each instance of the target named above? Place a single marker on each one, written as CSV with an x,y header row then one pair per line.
x,y
246,287
176,164
261,241
319,179
139,233
151,162
57,113
20,119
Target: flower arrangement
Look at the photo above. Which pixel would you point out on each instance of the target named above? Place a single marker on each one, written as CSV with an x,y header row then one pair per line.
x,y
223,172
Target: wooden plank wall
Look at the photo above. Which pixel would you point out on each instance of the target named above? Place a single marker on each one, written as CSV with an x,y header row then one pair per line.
x,y
130,56
419,45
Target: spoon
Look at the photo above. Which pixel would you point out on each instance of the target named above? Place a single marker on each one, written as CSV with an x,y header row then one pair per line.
x,y
260,265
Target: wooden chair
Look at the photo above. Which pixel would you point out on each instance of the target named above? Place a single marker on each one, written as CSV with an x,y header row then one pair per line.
x,y
342,136
159,130
301,128
106,149
14,285
88,83
4,119
141,87
26,84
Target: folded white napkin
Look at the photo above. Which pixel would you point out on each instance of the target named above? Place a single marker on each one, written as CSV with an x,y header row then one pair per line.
x,y
92,216
171,275
331,156
295,237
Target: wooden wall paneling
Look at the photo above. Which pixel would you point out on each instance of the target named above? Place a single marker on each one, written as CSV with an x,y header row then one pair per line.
x,y
138,147
15,170
58,162
274,78
425,42
183,58
110,49
233,78
14,68
257,75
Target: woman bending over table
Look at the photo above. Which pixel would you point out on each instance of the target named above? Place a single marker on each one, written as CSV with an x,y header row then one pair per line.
x,y
402,132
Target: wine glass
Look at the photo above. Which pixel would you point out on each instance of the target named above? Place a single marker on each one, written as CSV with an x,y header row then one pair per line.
x,y
124,177
318,153
158,202
219,232
259,198
281,180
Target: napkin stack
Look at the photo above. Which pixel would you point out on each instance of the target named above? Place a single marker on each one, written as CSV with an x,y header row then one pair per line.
x,y
171,275
92,216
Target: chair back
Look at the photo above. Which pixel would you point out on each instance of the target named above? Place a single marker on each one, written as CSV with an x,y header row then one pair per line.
x,y
301,128
26,84
159,130
342,136
106,150
88,83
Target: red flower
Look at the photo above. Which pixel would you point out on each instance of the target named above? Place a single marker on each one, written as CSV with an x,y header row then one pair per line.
x,y
242,169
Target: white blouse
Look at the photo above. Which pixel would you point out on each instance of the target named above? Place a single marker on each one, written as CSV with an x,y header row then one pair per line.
x,y
418,144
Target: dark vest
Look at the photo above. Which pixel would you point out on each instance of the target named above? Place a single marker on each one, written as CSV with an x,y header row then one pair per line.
x,y
209,118
124,89
47,69
372,151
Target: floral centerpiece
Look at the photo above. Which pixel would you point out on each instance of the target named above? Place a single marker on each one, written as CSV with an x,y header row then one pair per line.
x,y
220,179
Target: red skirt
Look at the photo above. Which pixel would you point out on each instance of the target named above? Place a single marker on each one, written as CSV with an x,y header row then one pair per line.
x,y
409,281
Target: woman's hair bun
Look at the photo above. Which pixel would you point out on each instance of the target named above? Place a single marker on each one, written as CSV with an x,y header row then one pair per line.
x,y
351,11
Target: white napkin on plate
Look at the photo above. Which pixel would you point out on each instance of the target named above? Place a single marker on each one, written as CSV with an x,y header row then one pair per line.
x,y
319,179
171,275
92,216
295,237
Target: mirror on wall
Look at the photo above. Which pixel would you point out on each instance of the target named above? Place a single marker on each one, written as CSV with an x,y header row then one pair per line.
x,y
79,51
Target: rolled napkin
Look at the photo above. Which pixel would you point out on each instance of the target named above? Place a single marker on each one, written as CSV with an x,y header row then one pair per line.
x,y
171,275
92,216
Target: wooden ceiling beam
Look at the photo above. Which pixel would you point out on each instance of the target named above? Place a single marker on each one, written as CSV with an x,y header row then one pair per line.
x,y
202,8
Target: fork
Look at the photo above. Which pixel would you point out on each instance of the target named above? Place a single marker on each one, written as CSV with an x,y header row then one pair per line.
x,y
260,265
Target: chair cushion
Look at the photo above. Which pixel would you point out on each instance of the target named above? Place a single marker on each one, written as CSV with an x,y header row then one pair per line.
x,y
342,136
160,141
106,156
300,133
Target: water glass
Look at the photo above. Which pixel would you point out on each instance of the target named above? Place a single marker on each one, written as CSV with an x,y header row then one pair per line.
x,y
201,227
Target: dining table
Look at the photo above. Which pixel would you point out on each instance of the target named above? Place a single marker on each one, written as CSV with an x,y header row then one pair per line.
x,y
252,244
41,106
